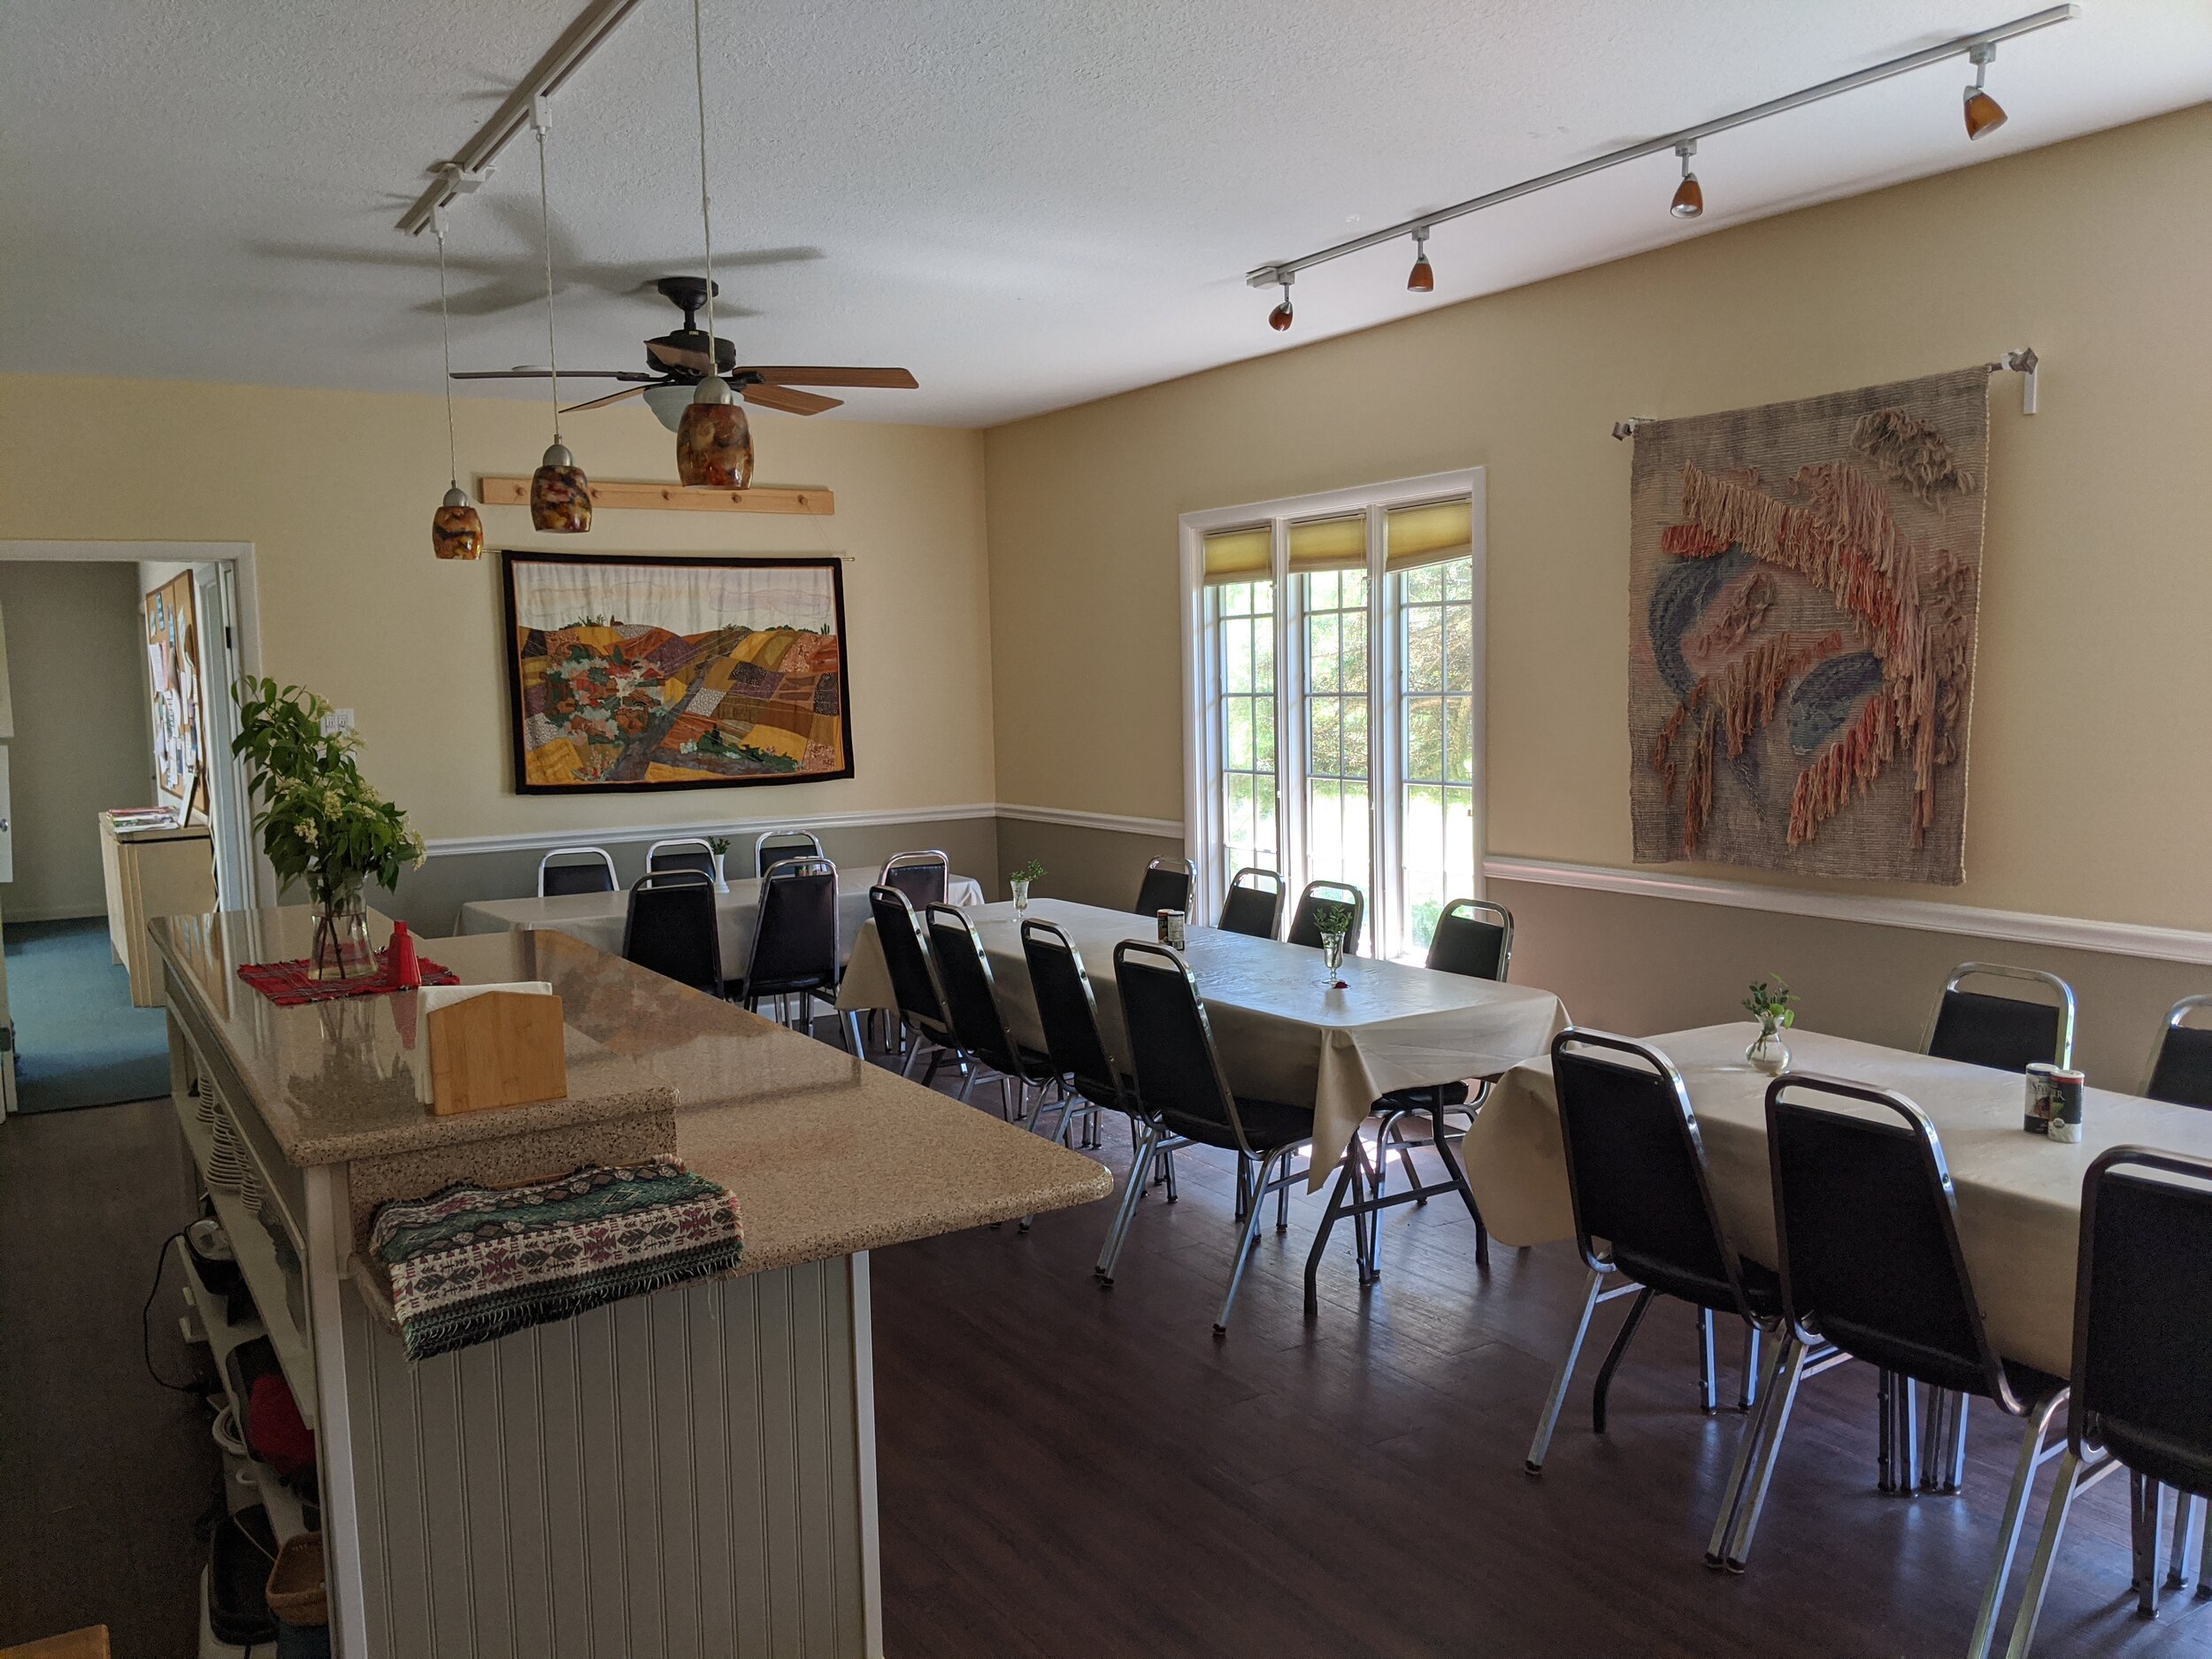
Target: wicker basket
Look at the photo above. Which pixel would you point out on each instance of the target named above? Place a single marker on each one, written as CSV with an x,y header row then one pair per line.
x,y
295,1582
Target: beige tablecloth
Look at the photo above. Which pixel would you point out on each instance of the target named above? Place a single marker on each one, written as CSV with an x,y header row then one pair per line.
x,y
1283,1035
2019,1195
597,919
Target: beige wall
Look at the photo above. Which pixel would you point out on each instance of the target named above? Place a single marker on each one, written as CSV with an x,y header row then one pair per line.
x,y
76,667
335,491
2090,786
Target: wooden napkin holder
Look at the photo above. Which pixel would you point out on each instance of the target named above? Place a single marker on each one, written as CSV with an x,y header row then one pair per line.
x,y
502,1049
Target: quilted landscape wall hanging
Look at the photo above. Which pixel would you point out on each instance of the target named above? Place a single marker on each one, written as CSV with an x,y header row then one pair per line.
x,y
675,673
1804,580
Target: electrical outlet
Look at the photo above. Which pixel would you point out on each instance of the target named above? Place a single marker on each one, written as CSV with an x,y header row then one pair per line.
x,y
337,721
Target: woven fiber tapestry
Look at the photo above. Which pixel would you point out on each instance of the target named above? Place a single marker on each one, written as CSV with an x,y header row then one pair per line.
x,y
675,673
1803,583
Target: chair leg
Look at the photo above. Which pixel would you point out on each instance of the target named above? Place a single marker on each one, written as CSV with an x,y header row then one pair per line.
x,y
1167,1164
1747,1390
1613,1356
1545,1424
1247,1234
1708,1364
1782,1399
2144,1495
2204,1560
1336,1211
2188,1513
2029,1460
2062,1497
1748,1445
1148,1140
1450,1160
1282,1207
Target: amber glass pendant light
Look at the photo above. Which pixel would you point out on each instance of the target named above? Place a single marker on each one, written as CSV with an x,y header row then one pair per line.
x,y
1983,113
560,495
714,442
456,532
1278,319
1422,278
1689,196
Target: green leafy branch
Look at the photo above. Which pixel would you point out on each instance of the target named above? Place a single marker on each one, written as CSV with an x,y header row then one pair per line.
x,y
320,822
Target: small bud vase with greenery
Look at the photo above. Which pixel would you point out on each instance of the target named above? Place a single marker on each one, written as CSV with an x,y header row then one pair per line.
x,y
1019,880
1333,921
320,823
1769,1005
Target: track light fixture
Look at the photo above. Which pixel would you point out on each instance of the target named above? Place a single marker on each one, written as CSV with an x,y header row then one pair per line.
x,y
457,530
560,495
1689,196
1422,278
1983,113
714,442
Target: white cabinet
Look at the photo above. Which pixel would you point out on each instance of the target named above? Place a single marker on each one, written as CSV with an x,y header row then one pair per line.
x,y
162,871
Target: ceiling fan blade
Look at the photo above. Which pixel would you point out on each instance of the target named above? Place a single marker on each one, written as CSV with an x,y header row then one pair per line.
x,y
601,403
802,375
546,374
789,399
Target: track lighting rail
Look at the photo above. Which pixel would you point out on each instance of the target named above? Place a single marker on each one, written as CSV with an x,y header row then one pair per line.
x,y
1965,46
512,119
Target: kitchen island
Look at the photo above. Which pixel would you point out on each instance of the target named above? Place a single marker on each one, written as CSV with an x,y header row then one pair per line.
x,y
686,1472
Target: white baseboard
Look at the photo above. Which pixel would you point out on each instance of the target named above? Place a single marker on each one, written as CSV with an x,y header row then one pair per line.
x,y
2120,939
52,913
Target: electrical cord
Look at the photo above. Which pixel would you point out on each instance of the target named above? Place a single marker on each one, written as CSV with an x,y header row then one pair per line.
x,y
145,1336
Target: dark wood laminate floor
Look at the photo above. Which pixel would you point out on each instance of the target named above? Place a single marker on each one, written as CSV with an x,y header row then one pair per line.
x,y
1066,1471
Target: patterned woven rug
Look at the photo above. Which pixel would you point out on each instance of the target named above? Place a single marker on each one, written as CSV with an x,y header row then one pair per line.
x,y
473,1264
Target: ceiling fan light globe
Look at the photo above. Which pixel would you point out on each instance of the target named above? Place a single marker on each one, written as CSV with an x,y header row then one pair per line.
x,y
668,403
714,447
712,390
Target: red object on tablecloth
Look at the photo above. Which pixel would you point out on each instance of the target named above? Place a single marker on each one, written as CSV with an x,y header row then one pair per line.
x,y
406,966
288,984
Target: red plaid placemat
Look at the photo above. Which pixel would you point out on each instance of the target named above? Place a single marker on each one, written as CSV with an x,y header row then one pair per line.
x,y
287,984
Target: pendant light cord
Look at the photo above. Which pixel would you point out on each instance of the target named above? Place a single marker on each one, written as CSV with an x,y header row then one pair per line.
x,y
545,224
445,333
706,213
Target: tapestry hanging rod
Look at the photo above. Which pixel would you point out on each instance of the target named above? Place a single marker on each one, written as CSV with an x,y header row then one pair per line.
x,y
1979,47
2023,362
469,165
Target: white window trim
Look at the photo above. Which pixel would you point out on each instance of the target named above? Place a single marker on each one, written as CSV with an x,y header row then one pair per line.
x,y
1201,712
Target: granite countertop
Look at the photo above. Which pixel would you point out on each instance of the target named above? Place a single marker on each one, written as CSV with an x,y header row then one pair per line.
x,y
826,1153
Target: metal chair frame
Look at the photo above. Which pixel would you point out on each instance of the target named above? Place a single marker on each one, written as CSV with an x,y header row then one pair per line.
x,y
1754,1396
652,880
2085,1462
675,842
614,879
792,841
1237,881
2038,1414
1021,1080
1390,1140
919,859
2004,971
1183,867
1323,889
2176,1018
932,1033
1275,1173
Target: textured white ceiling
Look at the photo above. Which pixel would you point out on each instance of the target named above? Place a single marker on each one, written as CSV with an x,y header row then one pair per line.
x,y
1027,203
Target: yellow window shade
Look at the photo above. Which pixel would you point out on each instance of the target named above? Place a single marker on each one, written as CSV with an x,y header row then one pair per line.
x,y
1239,556
1430,533
1329,544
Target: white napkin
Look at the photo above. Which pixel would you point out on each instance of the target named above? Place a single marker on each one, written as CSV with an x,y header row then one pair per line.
x,y
431,997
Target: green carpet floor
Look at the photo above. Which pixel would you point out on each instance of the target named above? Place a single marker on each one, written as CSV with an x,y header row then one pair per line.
x,y
79,1041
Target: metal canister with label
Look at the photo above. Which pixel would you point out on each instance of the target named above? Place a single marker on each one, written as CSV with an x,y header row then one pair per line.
x,y
2035,1120
1171,929
2066,1093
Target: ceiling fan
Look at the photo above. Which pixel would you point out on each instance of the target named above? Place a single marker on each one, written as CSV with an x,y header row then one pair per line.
x,y
678,361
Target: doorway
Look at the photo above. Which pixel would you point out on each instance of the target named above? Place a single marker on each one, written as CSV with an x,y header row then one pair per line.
x,y
116,661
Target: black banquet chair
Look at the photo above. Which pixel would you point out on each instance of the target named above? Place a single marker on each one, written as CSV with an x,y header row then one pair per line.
x,y
1166,886
2142,1364
2006,1033
1180,1086
921,1000
979,1023
773,847
1474,938
682,852
1636,1179
1305,931
1253,903
2181,1067
671,929
795,939
580,869
923,876
1867,1227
